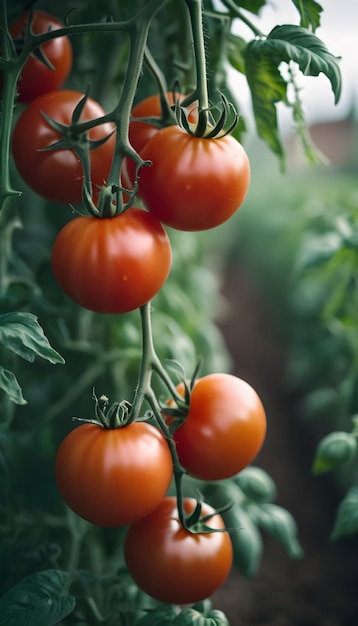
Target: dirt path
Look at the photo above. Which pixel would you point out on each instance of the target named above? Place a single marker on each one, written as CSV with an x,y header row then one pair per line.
x,y
322,588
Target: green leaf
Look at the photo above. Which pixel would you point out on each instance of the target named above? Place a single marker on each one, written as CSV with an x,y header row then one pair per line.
x,y
279,524
267,88
333,451
21,333
9,384
318,249
192,617
40,599
262,59
235,52
161,616
246,540
310,12
294,43
256,484
346,522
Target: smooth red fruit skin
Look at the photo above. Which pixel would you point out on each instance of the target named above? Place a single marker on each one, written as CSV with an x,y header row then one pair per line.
x,y
36,78
193,183
224,429
170,563
113,477
112,265
57,175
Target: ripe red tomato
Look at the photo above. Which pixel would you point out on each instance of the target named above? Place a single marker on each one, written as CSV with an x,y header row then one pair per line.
x,y
36,78
224,429
114,264
57,175
141,132
113,477
194,183
172,564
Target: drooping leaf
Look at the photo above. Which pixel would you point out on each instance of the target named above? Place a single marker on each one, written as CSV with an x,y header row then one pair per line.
x,y
262,60
21,333
41,599
294,43
279,524
346,522
9,384
310,13
333,451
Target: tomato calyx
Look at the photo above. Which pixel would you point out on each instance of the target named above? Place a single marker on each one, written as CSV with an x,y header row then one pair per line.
x,y
71,137
110,416
194,523
207,126
19,42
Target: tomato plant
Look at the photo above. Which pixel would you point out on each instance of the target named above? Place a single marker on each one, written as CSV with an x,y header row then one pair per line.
x,y
224,428
193,183
37,77
173,564
113,264
113,476
57,173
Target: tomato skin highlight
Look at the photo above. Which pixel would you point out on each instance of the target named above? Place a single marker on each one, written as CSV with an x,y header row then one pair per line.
x,y
57,175
112,265
170,563
224,429
113,477
36,78
193,183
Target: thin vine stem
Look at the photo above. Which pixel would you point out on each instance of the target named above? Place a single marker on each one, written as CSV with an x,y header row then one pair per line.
x,y
235,10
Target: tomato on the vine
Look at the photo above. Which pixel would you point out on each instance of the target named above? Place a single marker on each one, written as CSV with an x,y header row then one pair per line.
x,y
141,132
113,476
194,183
224,428
172,564
37,78
57,174
112,264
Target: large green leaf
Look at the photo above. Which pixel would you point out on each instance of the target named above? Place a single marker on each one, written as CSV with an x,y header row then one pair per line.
x,y
40,599
310,12
21,333
262,60
294,43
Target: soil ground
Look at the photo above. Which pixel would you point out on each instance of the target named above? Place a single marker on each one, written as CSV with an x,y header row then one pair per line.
x,y
322,588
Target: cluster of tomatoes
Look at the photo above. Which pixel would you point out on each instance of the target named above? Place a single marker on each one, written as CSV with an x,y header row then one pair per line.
x,y
120,476
115,264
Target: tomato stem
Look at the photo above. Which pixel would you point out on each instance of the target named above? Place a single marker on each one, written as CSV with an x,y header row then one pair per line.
x,y
151,363
201,91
